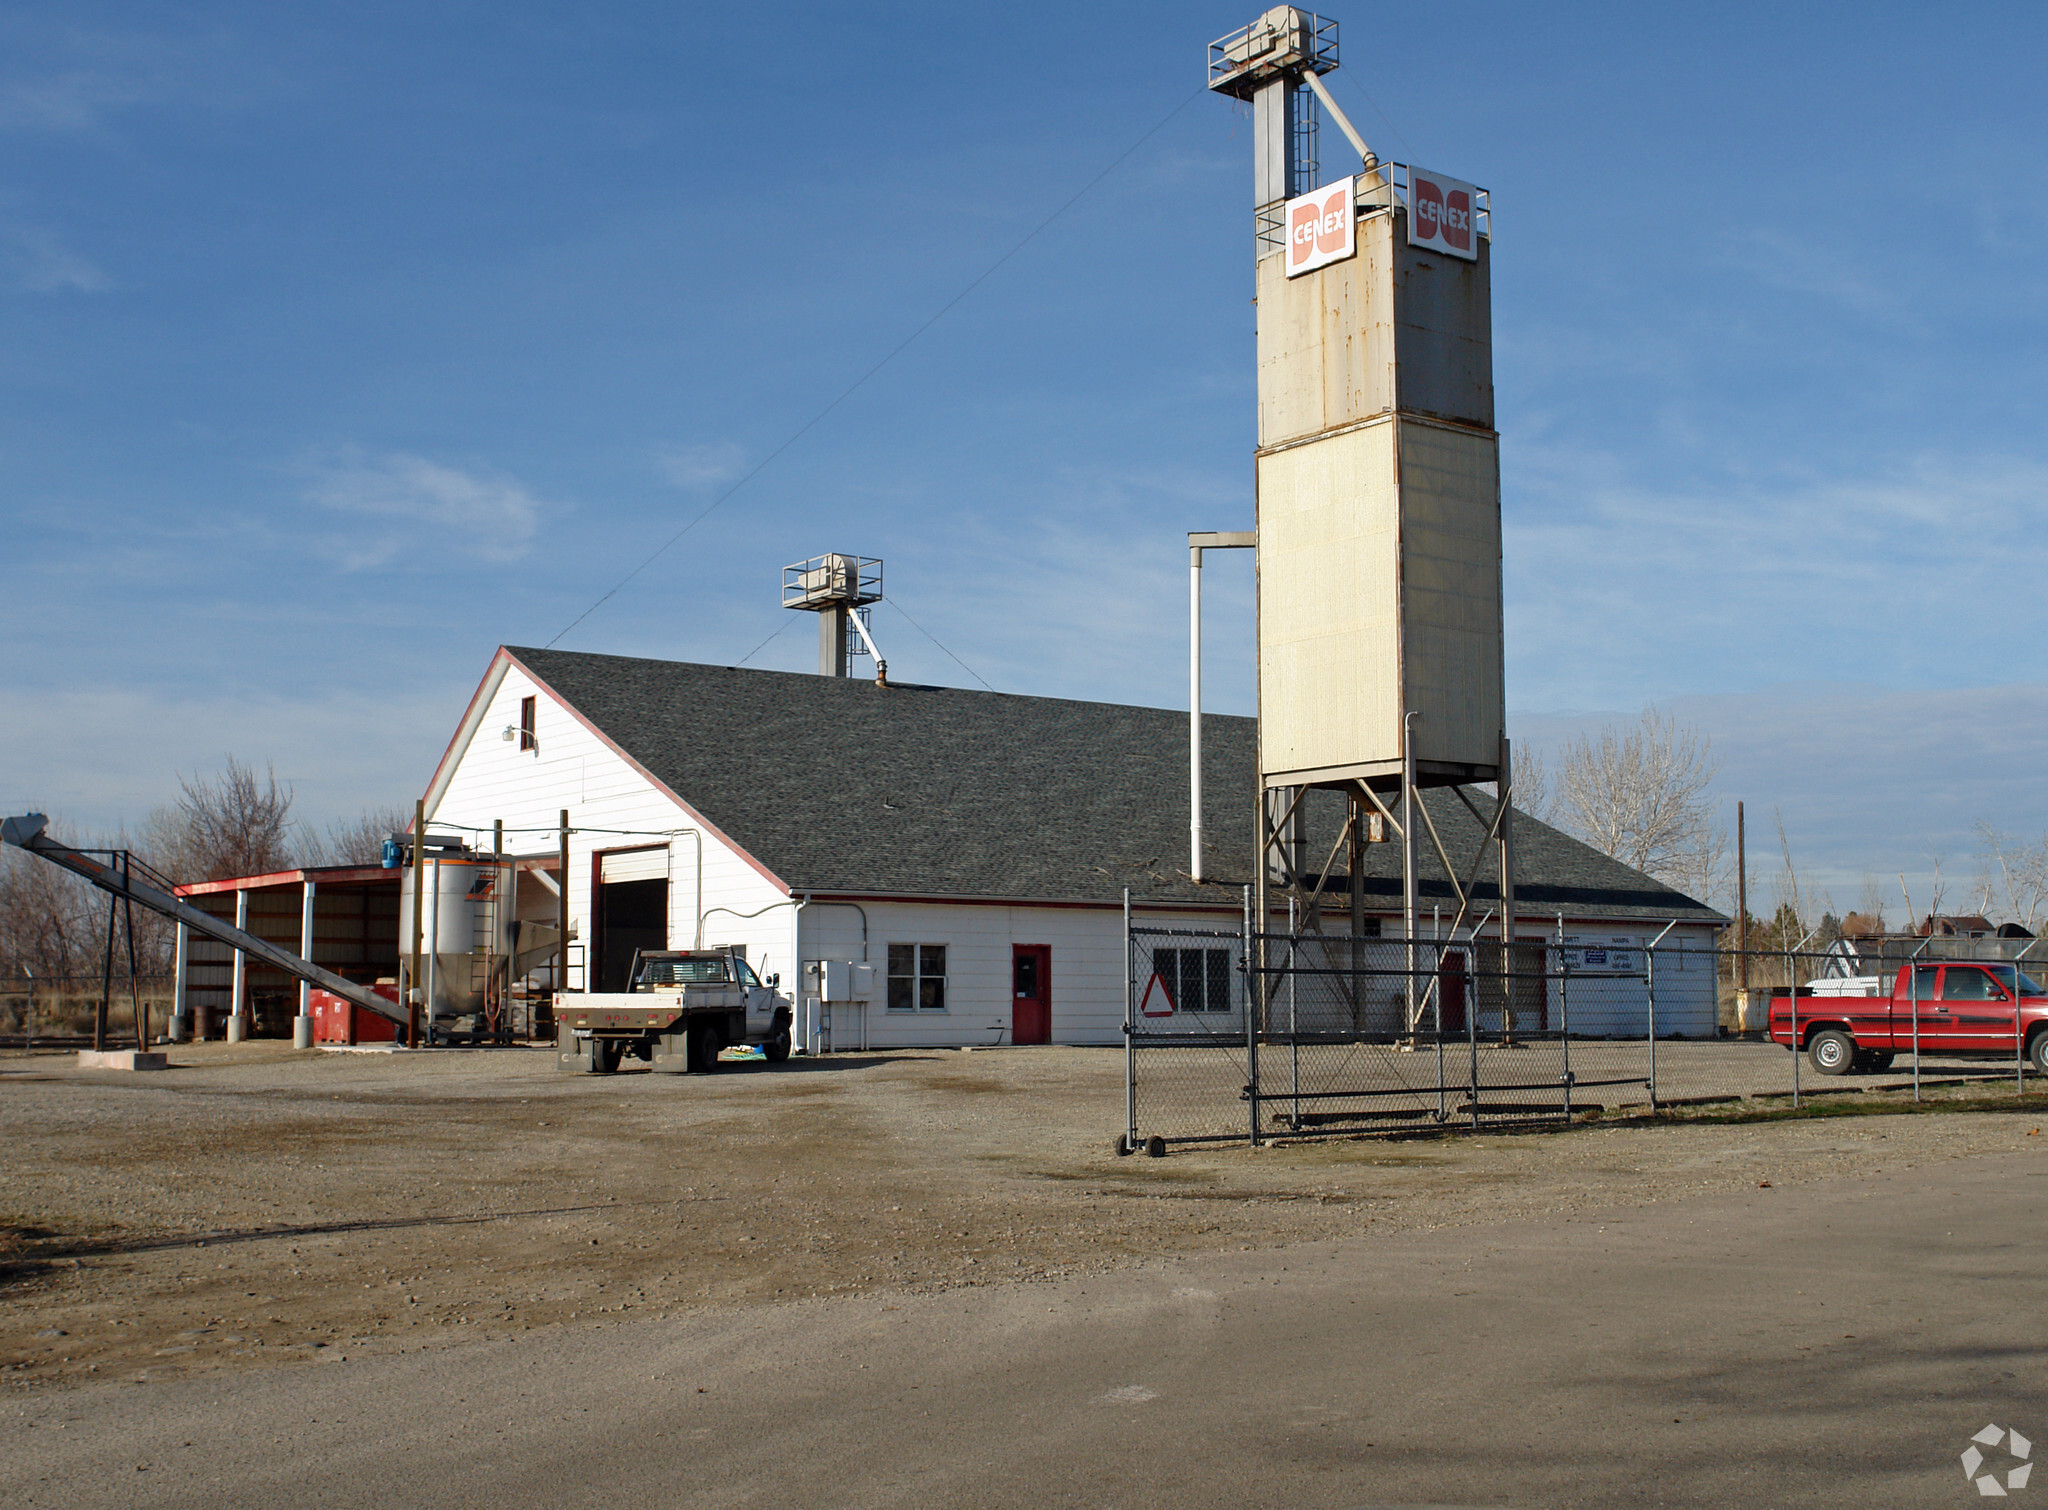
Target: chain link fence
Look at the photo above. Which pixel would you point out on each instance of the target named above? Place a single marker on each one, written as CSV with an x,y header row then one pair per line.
x,y
1236,1035
56,1009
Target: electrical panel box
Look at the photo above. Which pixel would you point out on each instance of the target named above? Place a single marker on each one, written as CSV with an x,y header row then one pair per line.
x,y
839,980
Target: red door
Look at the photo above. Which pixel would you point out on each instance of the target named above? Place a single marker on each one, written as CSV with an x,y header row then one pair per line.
x,y
1031,993
1450,985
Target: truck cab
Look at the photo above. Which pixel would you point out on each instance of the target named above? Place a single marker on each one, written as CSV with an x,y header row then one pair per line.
x,y
681,1008
1961,1008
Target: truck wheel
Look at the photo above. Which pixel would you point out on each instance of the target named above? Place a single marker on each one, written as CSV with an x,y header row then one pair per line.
x,y
776,1049
604,1056
704,1047
1831,1051
2037,1052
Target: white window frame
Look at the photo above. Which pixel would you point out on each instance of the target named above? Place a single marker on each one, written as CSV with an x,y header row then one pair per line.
x,y
917,978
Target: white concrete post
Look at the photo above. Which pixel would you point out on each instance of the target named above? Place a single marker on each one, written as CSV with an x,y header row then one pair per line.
x,y
181,1010
306,946
302,1027
238,1002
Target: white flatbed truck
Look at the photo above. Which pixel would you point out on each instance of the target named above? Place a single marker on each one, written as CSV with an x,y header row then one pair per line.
x,y
683,1007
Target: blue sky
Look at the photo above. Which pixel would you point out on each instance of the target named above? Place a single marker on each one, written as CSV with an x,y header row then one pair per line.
x,y
341,345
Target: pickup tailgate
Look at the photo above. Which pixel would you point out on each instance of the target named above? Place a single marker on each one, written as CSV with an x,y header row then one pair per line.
x,y
645,1011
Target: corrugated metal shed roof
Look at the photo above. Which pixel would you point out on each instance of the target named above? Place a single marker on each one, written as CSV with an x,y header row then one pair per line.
x,y
839,785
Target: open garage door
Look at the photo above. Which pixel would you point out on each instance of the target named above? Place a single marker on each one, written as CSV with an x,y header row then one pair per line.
x,y
630,911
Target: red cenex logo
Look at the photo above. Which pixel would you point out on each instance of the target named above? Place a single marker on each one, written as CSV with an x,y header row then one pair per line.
x,y
1440,214
1321,228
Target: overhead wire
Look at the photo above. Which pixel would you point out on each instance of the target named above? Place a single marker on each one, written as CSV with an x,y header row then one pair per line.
x,y
808,425
762,646
935,640
1359,90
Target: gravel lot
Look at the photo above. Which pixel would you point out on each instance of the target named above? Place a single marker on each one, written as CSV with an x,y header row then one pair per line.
x,y
254,1207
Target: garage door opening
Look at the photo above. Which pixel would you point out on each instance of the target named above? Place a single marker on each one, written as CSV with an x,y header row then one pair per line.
x,y
629,912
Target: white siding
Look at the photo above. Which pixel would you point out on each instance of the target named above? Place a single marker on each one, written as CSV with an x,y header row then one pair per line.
x,y
1087,977
611,806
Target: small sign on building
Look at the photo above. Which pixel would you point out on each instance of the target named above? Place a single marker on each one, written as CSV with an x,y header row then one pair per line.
x,y
1322,227
1595,954
1440,214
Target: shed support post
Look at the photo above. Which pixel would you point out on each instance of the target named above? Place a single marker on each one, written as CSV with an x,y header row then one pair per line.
x,y
181,1011
306,944
238,1001
302,1028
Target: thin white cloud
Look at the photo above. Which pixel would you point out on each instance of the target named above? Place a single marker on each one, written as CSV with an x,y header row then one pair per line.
x,y
405,503
702,467
1821,270
37,261
1913,570
341,750
75,101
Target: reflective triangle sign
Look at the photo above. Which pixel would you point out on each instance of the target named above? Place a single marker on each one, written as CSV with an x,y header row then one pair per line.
x,y
1158,1001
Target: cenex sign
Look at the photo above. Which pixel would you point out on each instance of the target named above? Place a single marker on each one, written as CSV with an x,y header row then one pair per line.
x,y
1321,228
1440,214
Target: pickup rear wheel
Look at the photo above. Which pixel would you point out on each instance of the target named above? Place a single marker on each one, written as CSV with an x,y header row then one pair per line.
x,y
2037,1051
604,1056
704,1046
1831,1051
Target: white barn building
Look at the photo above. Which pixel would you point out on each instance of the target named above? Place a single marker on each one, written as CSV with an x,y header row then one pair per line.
x,y
972,848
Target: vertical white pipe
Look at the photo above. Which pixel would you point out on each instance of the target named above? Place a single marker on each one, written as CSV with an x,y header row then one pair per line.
x,y
306,946
1195,712
238,1002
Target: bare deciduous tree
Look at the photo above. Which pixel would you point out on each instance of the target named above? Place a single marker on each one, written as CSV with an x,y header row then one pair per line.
x,y
1641,796
226,825
1532,793
1798,899
355,841
2020,869
54,925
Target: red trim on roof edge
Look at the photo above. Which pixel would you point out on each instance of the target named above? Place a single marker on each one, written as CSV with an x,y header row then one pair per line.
x,y
317,874
609,743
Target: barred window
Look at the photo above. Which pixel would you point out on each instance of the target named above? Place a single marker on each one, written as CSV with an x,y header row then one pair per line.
x,y
917,977
1198,978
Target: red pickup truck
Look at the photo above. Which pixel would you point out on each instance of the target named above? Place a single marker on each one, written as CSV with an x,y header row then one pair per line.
x,y
1962,1010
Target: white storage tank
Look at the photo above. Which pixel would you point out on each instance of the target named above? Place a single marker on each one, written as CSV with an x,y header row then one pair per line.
x,y
465,931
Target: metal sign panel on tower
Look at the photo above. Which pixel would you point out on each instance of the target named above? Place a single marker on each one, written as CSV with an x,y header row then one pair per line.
x,y
1440,214
1322,227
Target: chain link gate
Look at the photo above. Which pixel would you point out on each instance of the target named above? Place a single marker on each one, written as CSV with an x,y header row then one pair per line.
x,y
1236,1035
1241,1035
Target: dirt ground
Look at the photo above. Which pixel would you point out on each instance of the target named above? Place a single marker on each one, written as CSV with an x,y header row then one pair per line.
x,y
255,1207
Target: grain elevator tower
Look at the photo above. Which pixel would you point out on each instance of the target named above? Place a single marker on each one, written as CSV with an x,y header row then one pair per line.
x,y
1377,478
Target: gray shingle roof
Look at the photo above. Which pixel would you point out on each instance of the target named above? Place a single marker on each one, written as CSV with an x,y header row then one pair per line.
x,y
838,785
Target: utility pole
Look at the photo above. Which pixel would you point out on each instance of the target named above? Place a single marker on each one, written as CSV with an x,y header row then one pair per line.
x,y
419,870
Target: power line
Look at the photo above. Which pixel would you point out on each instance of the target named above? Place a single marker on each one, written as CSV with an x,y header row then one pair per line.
x,y
762,646
1359,90
935,640
852,388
